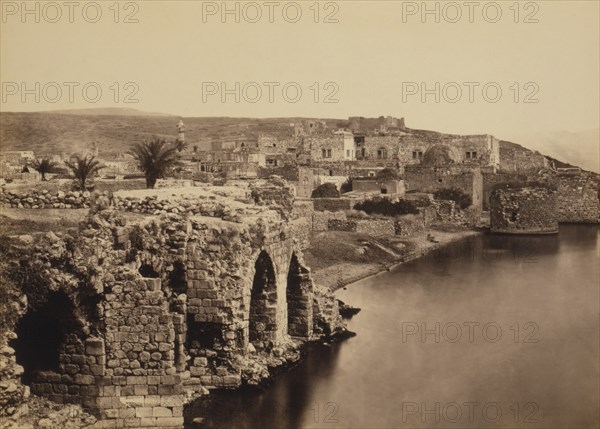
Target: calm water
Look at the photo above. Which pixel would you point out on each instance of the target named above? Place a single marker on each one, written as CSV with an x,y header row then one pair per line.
x,y
494,331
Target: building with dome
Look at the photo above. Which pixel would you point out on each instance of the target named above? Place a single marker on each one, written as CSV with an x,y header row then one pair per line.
x,y
441,168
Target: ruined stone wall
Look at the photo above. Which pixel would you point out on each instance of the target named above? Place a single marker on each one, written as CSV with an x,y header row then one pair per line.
x,y
524,211
197,293
578,198
519,160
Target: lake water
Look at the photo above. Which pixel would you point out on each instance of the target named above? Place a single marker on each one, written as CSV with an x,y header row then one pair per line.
x,y
491,332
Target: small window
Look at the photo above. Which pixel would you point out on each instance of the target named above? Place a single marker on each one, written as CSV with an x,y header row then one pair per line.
x,y
371,174
348,153
471,154
326,153
417,154
274,144
382,153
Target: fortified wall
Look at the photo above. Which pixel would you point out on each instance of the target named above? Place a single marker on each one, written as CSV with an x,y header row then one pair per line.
x,y
151,303
524,210
578,197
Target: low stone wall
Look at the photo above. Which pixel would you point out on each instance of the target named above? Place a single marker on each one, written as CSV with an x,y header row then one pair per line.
x,y
320,220
342,225
379,228
333,204
44,199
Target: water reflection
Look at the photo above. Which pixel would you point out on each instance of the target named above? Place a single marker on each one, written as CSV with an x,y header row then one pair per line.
x,y
286,403
526,356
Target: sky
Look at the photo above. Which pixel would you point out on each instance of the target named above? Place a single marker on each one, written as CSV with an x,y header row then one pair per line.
x,y
506,68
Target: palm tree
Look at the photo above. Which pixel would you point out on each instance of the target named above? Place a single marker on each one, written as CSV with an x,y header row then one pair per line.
x,y
44,166
180,145
83,169
155,158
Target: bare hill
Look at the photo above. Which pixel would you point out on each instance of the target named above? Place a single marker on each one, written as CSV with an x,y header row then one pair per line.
x,y
49,132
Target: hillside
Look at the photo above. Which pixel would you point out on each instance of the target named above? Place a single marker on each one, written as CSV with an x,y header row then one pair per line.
x,y
115,129
50,133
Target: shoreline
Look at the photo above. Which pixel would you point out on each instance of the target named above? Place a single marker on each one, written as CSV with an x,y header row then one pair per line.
x,y
349,273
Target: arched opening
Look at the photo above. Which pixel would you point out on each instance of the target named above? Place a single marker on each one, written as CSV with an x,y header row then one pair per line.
x,y
41,333
263,303
177,278
299,301
148,272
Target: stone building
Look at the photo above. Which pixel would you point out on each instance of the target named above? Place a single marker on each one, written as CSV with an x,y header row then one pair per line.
x,y
144,312
477,150
524,209
360,124
332,146
438,169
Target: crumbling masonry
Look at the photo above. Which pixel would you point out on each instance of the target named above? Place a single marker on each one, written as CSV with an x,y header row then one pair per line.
x,y
164,298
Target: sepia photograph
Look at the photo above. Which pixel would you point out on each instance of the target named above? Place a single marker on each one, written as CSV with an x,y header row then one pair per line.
x,y
312,214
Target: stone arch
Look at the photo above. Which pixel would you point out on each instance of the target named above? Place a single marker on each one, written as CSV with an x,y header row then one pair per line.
x,y
299,299
263,303
42,333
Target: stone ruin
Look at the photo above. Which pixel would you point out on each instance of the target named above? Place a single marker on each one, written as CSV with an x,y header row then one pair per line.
x,y
150,304
529,208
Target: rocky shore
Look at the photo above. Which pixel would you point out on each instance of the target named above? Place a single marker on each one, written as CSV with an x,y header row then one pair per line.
x,y
340,272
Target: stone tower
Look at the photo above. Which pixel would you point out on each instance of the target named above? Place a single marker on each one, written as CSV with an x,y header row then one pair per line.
x,y
180,131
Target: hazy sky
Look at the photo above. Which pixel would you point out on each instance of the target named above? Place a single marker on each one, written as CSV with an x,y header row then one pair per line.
x,y
374,61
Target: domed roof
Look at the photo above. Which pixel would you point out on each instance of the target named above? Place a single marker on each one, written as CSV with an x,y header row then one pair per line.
x,y
438,155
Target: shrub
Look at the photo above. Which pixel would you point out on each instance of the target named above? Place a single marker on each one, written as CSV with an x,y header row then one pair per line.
x,y
387,174
326,190
386,207
454,194
346,186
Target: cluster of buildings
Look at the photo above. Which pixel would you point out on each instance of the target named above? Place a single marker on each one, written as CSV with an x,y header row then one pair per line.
x,y
363,143
313,152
